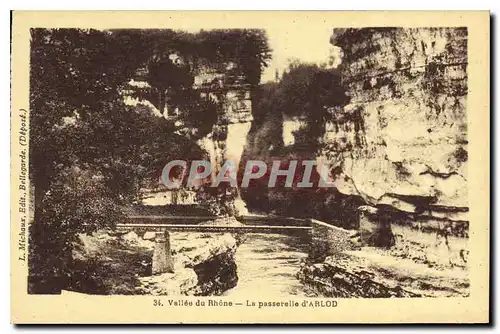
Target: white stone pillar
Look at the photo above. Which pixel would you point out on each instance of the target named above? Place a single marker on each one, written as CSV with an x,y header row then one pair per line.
x,y
162,254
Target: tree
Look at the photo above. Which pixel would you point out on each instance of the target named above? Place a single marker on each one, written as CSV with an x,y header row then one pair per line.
x,y
89,152
308,91
165,76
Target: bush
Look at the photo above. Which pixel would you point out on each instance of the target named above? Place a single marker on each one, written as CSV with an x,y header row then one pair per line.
x,y
77,203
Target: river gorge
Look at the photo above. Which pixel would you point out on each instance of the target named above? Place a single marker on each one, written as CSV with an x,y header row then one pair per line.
x,y
257,265
389,120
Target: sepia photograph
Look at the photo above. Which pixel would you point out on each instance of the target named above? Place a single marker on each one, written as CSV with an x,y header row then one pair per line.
x,y
252,167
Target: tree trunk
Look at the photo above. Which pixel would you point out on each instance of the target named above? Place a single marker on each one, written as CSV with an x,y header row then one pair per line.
x,y
46,259
162,102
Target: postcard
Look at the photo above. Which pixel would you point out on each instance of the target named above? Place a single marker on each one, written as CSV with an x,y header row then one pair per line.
x,y
177,167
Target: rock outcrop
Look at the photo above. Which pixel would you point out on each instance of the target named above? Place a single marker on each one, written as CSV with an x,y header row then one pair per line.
x,y
375,273
117,263
340,277
203,265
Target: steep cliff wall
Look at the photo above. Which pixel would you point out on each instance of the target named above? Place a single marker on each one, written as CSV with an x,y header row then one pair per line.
x,y
402,140
401,145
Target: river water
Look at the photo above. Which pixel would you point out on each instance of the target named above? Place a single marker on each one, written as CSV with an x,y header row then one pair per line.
x,y
268,264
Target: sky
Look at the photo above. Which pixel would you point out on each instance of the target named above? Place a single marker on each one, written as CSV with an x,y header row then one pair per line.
x,y
306,44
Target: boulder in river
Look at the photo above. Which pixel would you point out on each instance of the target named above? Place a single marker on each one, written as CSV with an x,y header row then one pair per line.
x,y
149,235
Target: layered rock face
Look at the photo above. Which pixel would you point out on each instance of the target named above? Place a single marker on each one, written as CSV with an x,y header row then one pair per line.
x,y
234,120
401,145
404,134
234,117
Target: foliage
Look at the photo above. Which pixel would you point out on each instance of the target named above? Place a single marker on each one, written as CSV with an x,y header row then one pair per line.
x,y
89,152
76,79
76,202
246,48
307,91
218,200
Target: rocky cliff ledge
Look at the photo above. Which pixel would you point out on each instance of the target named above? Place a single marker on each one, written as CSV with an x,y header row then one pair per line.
x,y
203,264
341,265
376,273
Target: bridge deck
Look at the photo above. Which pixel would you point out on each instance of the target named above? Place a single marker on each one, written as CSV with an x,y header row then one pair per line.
x,y
246,220
213,228
250,224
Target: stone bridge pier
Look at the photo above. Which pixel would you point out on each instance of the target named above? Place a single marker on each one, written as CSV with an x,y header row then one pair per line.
x,y
162,254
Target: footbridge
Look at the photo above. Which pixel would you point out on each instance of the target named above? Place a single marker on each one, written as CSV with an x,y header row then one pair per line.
x,y
162,225
249,224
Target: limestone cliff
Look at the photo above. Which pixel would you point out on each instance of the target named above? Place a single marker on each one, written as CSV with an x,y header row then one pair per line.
x,y
400,145
402,140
